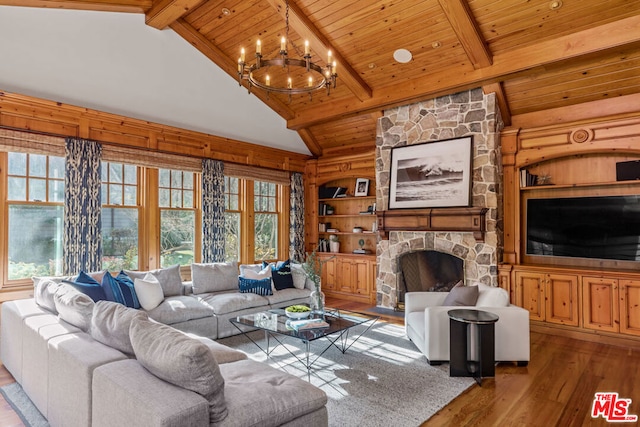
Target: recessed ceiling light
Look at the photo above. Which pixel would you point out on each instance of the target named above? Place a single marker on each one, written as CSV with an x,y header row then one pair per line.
x,y
436,45
372,65
225,11
555,5
402,55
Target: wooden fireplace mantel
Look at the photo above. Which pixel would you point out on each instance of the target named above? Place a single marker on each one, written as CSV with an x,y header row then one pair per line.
x,y
436,219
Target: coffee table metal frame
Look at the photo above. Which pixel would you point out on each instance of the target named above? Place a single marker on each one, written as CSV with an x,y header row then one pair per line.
x,y
274,323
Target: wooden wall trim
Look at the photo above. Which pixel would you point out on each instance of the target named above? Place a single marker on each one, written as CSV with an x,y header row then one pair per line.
x,y
606,134
22,112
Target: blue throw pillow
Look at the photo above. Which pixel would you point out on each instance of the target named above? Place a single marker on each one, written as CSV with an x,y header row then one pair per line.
x,y
112,288
255,286
281,276
128,290
88,286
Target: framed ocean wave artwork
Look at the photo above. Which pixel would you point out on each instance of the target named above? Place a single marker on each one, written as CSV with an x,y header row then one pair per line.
x,y
432,174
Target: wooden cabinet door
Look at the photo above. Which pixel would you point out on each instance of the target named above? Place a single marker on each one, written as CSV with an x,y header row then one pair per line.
x,y
345,282
561,299
630,307
600,303
329,277
529,293
361,277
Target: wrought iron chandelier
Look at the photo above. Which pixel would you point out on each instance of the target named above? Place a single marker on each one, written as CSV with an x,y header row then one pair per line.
x,y
317,77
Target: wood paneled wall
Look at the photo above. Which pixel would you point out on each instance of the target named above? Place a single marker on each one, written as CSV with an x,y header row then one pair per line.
x,y
43,116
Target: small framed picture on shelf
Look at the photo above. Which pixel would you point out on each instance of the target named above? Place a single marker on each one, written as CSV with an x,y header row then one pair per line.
x,y
362,187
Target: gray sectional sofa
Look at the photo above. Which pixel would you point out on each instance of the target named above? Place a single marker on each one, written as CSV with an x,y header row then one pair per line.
x,y
103,364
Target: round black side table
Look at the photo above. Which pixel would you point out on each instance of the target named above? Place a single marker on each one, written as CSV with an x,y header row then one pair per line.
x,y
472,343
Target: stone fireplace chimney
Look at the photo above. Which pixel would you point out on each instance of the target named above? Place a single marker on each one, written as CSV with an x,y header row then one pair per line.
x,y
469,113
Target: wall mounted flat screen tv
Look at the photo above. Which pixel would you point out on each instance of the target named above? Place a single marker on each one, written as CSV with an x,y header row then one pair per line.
x,y
605,228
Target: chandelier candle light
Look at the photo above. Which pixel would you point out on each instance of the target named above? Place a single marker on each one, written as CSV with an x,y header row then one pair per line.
x,y
318,77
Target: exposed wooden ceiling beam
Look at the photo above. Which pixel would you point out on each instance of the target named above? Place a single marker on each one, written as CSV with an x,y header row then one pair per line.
x,y
135,6
311,142
230,67
501,99
607,36
465,27
299,22
164,12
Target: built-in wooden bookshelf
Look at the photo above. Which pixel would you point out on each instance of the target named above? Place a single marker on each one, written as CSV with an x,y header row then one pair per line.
x,y
592,299
350,272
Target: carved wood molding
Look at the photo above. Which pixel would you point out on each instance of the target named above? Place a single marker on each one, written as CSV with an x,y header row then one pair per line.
x,y
437,219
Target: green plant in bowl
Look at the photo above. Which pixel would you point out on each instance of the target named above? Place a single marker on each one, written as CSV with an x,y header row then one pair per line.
x,y
297,311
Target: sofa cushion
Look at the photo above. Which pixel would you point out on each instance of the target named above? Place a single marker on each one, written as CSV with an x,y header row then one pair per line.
x,y
179,309
255,286
43,293
228,302
89,286
461,295
110,324
287,295
149,291
256,268
299,276
180,360
491,296
214,277
289,397
169,279
221,352
73,306
281,276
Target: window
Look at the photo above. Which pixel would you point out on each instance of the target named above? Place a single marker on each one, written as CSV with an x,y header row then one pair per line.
x,y
35,198
177,217
265,220
120,213
232,219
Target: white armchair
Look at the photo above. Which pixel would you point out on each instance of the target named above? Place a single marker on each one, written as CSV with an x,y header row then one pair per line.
x,y
427,325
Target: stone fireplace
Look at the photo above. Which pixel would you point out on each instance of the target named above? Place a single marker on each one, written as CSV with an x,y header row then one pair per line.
x,y
462,114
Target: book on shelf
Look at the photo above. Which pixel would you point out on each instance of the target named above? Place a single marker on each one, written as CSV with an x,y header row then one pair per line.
x,y
527,179
361,251
302,324
331,192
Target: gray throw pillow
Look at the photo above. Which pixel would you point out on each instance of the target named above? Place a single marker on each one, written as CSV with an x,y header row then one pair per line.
x,y
214,277
110,324
169,279
461,295
73,306
180,360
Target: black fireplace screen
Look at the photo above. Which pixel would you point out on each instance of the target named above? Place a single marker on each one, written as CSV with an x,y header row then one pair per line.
x,y
431,271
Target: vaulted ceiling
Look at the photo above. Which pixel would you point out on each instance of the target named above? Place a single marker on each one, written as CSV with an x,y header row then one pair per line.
x,y
535,55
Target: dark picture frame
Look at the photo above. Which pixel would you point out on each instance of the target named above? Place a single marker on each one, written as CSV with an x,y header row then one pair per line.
x,y
432,174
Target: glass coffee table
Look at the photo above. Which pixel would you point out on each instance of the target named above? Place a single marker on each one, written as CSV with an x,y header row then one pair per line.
x,y
276,327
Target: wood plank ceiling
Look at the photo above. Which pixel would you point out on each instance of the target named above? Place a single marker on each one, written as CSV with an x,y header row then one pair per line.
x,y
536,54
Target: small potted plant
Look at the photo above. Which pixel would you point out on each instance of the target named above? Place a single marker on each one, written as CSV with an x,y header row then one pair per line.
x,y
334,244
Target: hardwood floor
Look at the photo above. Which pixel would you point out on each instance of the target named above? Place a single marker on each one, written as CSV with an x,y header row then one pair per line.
x,y
556,388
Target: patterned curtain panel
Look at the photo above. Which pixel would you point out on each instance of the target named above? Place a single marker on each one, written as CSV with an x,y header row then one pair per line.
x,y
82,240
213,228
296,228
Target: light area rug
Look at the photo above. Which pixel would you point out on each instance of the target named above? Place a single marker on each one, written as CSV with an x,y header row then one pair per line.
x,y
26,410
382,379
